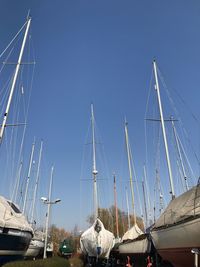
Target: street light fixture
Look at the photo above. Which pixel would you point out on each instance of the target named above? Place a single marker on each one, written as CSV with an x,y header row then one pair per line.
x,y
196,253
49,203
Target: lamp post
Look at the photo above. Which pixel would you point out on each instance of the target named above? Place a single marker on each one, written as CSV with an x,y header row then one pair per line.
x,y
196,253
49,203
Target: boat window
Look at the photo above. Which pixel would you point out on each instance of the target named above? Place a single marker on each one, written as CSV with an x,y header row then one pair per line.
x,y
16,210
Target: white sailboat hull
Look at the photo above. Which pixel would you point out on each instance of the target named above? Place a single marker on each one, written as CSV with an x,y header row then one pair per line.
x,y
174,243
34,249
136,246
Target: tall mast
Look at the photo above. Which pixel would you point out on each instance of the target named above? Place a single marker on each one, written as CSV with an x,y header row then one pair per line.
x,y
161,204
116,210
28,177
36,182
94,170
14,80
179,154
164,132
149,211
130,171
128,212
145,204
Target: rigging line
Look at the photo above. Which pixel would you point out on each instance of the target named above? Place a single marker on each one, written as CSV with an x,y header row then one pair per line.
x,y
177,114
185,155
179,171
134,173
5,92
82,170
145,122
181,160
158,145
29,60
21,97
26,116
154,201
149,203
6,59
15,132
13,39
181,98
107,170
7,156
103,161
181,178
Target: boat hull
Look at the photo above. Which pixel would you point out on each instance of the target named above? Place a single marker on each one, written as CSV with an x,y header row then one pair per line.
x,y
35,249
174,243
141,246
13,244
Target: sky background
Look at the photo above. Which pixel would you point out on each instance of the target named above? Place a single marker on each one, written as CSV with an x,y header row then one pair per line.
x,y
101,52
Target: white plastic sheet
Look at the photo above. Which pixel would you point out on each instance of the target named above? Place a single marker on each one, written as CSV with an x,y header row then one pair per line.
x,y
97,241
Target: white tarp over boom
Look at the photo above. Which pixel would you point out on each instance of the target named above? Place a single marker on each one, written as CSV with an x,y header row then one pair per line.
x,y
97,241
132,233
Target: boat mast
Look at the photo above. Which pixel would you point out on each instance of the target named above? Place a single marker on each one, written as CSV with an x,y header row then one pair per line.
x,y
94,170
14,81
116,210
130,171
28,177
164,132
161,204
128,212
145,204
36,182
179,154
149,209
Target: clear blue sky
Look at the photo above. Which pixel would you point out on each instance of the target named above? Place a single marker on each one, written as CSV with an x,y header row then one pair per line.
x,y
101,52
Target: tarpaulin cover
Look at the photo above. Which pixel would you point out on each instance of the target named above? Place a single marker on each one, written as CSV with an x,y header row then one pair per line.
x,y
97,241
181,208
132,233
11,217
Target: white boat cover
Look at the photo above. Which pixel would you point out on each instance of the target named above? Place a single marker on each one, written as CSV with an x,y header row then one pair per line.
x,y
97,241
11,217
181,208
132,233
38,235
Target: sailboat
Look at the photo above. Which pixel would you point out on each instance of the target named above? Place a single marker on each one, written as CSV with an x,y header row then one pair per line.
x,y
15,231
177,230
135,242
96,242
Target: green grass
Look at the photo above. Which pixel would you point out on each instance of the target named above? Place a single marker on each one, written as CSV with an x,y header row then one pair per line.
x,y
51,262
75,262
